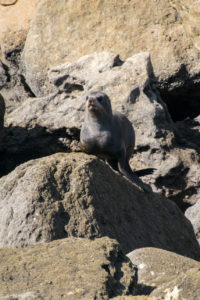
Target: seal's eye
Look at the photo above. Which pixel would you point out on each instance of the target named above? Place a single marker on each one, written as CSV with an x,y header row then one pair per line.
x,y
87,98
100,99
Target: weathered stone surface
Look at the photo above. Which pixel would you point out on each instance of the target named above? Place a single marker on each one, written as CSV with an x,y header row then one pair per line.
x,y
56,121
169,31
78,195
189,131
167,275
14,25
193,214
7,2
135,298
2,113
66,269
65,108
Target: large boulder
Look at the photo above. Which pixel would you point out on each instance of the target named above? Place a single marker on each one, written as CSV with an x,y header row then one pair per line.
x,y
78,195
52,123
64,31
193,214
67,269
166,275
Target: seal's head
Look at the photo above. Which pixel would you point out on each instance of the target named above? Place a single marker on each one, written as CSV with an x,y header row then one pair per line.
x,y
98,103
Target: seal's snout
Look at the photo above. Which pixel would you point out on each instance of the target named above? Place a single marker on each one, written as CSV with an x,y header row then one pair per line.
x,y
91,103
91,100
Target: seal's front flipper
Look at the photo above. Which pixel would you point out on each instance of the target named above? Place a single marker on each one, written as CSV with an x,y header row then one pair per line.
x,y
126,171
113,164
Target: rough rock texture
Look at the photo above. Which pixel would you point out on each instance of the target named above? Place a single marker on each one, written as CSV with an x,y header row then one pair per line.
x,y
7,2
64,195
78,195
193,214
52,123
2,113
168,30
66,269
189,130
167,275
14,26
135,298
131,87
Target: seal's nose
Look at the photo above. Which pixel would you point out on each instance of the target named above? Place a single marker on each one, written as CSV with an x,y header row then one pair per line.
x,y
91,100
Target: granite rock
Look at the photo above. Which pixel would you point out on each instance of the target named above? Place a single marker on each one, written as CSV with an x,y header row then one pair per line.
x,y
166,275
66,269
75,194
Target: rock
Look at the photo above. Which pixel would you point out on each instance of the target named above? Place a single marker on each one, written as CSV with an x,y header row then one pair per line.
x,y
58,117
39,127
159,141
78,195
167,275
132,89
51,124
2,113
14,25
188,138
69,269
7,2
170,34
188,131
193,214
135,298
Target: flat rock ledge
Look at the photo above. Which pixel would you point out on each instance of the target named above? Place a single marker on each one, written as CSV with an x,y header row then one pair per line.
x,y
166,275
66,269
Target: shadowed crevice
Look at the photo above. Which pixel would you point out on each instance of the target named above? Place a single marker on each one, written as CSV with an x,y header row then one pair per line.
x,y
20,145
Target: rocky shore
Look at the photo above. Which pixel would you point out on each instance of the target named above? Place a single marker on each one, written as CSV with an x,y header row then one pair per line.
x,y
70,226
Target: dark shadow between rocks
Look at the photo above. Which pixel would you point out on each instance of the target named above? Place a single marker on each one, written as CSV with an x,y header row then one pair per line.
x,y
145,290
114,286
182,98
182,102
176,177
188,134
60,219
20,145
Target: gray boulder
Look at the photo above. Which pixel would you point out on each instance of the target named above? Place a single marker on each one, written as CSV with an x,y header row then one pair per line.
x,y
51,124
15,17
56,120
193,214
66,269
171,35
78,195
166,275
135,298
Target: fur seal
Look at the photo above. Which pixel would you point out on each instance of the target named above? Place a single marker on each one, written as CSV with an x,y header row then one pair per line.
x,y
109,135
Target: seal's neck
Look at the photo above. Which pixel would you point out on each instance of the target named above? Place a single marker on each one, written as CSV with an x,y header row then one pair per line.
x,y
99,119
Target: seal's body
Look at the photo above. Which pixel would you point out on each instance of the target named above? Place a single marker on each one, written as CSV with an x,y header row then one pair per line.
x,y
109,135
